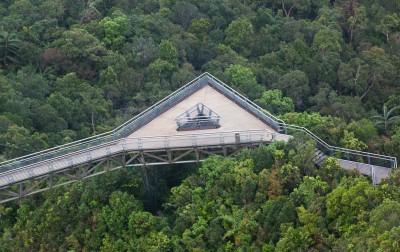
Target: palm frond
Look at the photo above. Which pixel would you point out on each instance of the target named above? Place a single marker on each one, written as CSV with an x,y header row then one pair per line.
x,y
392,110
394,119
379,124
377,117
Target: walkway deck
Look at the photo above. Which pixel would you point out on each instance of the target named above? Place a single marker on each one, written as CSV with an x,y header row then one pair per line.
x,y
161,133
82,157
154,133
366,169
161,143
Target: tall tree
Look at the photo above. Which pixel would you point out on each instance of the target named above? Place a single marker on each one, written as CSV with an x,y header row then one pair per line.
x,y
115,30
9,48
388,24
355,17
295,85
184,12
239,35
273,101
244,80
387,119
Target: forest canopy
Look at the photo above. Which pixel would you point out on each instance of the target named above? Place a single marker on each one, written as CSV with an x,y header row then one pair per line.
x,y
71,69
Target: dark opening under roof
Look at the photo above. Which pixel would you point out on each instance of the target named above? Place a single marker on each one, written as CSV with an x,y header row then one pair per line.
x,y
198,117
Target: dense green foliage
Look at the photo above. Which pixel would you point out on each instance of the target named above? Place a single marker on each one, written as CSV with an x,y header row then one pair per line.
x,y
242,203
72,69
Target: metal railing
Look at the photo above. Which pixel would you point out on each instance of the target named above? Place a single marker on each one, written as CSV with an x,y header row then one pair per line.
x,y
131,144
140,120
197,116
343,153
198,123
247,104
153,111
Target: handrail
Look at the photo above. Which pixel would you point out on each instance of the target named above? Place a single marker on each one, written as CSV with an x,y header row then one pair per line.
x,y
274,118
334,147
145,140
315,137
340,149
198,120
119,132
55,149
186,136
146,115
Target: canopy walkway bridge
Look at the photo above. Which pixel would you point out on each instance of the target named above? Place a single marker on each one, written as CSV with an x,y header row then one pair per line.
x,y
203,118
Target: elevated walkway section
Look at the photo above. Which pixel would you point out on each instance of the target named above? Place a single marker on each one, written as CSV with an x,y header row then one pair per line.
x,y
371,164
155,137
143,145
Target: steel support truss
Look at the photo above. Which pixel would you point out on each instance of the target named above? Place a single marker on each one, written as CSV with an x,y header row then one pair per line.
x,y
125,159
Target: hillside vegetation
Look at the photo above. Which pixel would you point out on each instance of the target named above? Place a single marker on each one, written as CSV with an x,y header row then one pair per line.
x,y
71,69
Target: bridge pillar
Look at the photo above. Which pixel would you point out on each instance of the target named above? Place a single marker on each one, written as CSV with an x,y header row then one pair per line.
x,y
150,181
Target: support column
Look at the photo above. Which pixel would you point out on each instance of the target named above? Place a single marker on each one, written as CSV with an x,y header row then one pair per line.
x,y
150,179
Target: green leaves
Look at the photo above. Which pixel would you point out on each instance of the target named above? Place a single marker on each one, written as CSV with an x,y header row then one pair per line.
x,y
388,119
349,141
239,34
243,79
295,85
392,146
352,198
200,26
386,216
73,68
167,51
327,43
184,13
114,31
330,170
274,102
9,48
388,24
